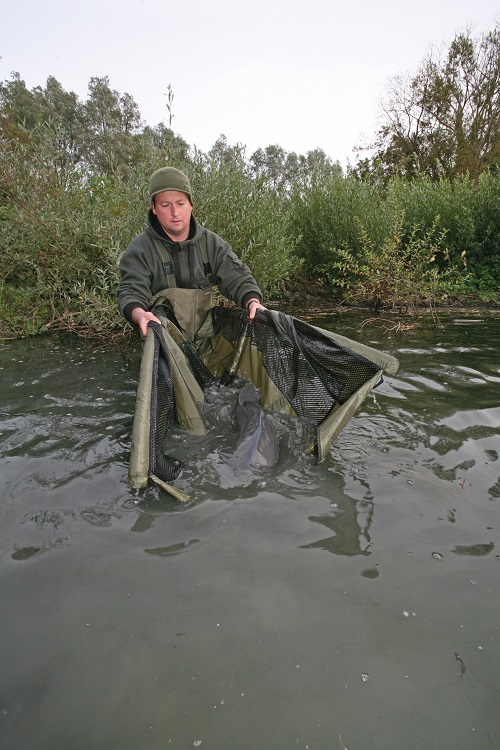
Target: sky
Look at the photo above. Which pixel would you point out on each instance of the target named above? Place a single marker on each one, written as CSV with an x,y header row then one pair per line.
x,y
302,75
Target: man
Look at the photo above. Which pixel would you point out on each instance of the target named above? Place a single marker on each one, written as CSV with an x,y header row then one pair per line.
x,y
179,260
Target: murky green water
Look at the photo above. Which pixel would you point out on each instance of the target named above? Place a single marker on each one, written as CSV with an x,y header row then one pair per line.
x,y
351,605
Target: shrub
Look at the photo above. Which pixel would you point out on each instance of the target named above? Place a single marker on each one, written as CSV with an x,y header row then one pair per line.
x,y
466,210
401,272
328,214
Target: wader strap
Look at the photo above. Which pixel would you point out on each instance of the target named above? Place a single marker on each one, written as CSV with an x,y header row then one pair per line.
x,y
206,265
167,262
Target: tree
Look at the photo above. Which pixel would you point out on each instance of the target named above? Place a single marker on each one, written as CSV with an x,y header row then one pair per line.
x,y
445,119
270,163
64,111
101,132
112,122
18,107
171,148
284,170
26,116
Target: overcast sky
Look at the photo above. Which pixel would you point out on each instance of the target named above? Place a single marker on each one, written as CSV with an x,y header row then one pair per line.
x,y
302,74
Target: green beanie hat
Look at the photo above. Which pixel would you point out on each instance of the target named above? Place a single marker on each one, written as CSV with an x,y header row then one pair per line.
x,y
169,178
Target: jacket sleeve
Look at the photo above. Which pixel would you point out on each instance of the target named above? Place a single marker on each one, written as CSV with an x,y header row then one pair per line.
x,y
139,269
233,277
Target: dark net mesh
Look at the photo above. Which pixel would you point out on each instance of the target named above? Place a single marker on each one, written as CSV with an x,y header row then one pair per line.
x,y
310,370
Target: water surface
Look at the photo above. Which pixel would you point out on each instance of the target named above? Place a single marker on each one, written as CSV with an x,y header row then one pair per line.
x,y
351,605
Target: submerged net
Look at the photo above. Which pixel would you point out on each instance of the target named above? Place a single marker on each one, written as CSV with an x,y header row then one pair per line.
x,y
299,369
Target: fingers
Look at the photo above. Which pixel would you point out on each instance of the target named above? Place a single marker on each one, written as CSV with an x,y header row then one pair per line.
x,y
253,307
143,318
146,321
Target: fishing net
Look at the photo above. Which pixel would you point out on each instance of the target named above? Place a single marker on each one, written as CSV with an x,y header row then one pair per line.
x,y
163,412
300,370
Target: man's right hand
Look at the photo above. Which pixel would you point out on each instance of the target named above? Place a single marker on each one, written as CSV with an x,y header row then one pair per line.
x,y
142,318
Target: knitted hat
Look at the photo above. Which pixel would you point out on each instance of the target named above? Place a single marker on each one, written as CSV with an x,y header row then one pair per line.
x,y
169,178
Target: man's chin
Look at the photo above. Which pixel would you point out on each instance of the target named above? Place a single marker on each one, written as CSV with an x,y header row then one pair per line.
x,y
175,231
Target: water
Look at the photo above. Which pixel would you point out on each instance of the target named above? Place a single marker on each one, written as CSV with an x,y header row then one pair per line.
x,y
351,605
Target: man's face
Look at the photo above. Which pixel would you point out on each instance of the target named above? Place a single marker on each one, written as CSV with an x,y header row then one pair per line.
x,y
173,210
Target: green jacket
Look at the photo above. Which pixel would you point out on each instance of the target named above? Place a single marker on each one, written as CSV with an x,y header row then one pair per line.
x,y
142,274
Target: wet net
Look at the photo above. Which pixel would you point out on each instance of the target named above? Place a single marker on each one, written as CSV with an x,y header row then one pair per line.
x,y
310,370
163,411
299,370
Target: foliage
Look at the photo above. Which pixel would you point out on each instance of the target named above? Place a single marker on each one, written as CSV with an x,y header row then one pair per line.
x,y
245,210
73,193
327,214
284,170
399,272
465,209
445,119
52,236
103,134
342,213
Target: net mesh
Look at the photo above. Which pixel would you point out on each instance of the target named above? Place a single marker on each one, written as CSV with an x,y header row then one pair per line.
x,y
299,370
311,370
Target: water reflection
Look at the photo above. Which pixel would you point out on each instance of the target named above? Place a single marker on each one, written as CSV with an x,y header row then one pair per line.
x,y
172,549
349,525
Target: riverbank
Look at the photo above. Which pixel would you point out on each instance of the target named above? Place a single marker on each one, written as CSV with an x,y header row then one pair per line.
x,y
302,297
314,298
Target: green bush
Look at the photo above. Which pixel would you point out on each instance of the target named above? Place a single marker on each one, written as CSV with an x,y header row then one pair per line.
x,y
337,219
466,210
328,214
60,230
485,208
245,210
402,272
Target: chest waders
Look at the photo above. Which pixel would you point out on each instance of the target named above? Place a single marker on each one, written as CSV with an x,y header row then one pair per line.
x,y
190,306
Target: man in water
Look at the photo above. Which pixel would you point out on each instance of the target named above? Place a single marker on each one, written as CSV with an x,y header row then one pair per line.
x,y
179,260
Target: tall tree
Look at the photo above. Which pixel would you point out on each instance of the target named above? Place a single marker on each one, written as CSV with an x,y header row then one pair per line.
x,y
445,119
64,111
271,164
284,169
26,117
112,122
222,153
19,107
